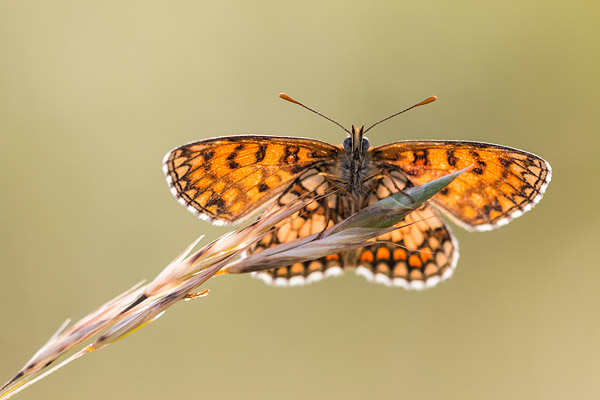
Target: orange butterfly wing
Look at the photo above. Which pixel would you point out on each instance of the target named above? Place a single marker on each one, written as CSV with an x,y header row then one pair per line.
x,y
502,184
224,179
323,212
418,255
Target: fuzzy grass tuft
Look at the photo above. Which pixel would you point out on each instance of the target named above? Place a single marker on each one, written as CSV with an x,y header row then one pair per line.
x,y
181,279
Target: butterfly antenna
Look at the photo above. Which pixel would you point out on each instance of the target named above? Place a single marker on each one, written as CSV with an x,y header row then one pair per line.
x,y
291,100
426,101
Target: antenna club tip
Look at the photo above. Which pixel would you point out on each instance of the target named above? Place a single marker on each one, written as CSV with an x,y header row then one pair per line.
x,y
428,100
288,98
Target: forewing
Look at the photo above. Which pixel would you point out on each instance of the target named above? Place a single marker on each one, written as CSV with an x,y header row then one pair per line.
x,y
502,184
224,179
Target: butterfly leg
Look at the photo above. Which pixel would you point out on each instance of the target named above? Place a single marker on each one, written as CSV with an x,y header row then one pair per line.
x,y
195,295
335,182
389,176
383,173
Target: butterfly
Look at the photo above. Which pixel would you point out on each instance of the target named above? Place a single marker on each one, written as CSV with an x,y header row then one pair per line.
x,y
224,180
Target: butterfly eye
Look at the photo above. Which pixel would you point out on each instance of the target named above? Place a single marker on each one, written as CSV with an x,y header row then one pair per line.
x,y
348,145
365,144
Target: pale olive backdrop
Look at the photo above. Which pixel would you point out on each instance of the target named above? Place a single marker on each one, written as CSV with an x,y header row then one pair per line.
x,y
94,93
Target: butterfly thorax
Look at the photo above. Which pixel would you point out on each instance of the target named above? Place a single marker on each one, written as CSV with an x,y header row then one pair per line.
x,y
355,165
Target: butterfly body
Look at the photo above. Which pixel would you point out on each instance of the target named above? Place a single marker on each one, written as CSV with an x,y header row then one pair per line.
x,y
225,179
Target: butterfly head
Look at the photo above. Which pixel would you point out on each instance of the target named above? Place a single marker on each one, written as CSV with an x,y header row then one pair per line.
x,y
356,144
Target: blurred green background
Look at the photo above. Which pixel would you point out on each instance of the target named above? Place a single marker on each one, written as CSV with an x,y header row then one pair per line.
x,y
94,93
